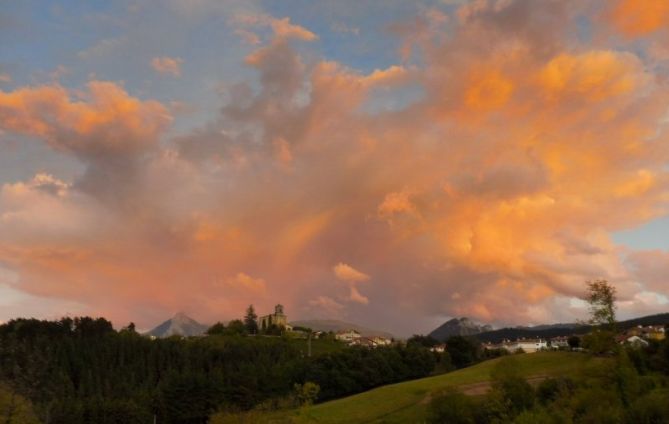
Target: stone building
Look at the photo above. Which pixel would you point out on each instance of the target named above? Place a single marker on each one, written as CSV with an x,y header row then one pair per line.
x,y
278,318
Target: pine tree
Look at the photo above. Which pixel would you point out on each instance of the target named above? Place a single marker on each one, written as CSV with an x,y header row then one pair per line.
x,y
250,320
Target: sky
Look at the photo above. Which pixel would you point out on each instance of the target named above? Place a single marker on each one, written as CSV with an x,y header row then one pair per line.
x,y
393,164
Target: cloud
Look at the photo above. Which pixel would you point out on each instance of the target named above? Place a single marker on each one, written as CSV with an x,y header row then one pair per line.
x,y
281,28
355,296
325,307
105,120
246,283
167,65
109,130
351,276
502,179
634,18
348,273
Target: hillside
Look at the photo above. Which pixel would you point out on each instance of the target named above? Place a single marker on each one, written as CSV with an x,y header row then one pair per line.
x,y
336,325
406,402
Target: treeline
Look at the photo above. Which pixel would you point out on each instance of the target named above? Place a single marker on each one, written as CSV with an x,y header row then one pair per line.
x,y
460,352
83,371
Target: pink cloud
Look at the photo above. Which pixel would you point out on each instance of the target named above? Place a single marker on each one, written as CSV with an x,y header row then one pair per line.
x,y
167,65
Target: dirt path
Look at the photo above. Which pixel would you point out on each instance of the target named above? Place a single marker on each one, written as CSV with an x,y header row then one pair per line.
x,y
484,387
478,389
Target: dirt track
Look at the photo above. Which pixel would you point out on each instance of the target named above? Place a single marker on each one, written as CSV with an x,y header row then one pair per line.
x,y
484,387
478,389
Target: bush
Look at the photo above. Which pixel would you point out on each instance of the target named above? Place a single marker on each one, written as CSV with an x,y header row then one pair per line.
x,y
452,407
551,389
652,408
514,394
464,351
596,405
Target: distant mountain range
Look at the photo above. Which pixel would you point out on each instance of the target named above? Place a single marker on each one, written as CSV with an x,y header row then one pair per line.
x,y
458,327
335,325
181,325
549,331
465,327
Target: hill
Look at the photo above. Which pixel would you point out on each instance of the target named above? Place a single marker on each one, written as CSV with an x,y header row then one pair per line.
x,y
549,331
407,402
458,327
336,325
181,325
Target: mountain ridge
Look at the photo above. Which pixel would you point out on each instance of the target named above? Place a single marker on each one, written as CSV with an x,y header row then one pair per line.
x,y
556,330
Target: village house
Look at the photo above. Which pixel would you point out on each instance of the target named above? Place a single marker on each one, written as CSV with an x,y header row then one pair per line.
x,y
371,342
440,348
527,345
347,336
559,342
634,341
381,341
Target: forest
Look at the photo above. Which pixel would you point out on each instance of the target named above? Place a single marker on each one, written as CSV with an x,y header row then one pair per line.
x,y
81,370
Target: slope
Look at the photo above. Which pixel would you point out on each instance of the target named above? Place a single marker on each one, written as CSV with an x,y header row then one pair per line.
x,y
407,402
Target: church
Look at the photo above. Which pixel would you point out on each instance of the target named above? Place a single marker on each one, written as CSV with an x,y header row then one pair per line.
x,y
278,318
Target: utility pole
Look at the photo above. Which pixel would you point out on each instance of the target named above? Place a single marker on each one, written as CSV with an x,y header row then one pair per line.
x,y
309,346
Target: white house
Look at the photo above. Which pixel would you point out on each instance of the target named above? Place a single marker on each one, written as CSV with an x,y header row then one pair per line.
x,y
635,341
560,341
527,345
440,348
530,345
347,336
381,341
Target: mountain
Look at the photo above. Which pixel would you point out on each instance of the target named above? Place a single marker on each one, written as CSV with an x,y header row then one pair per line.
x,y
555,330
335,325
458,327
180,324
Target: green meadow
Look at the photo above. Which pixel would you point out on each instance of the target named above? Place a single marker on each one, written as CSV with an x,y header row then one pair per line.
x,y
407,402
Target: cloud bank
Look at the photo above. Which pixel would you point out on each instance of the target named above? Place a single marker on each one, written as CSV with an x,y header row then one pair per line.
x,y
493,193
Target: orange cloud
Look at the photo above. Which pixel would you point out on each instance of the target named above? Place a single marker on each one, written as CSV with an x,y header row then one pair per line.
x,y
502,181
593,76
488,91
347,273
244,282
636,18
104,120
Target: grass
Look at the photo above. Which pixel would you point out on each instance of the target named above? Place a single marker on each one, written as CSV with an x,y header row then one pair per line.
x,y
318,346
407,402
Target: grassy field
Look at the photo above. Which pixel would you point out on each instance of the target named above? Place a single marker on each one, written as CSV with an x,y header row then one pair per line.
x,y
407,402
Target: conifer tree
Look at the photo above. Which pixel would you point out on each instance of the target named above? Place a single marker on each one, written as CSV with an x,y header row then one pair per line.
x,y
250,320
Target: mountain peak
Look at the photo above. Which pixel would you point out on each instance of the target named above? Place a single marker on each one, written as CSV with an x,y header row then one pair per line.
x,y
462,326
181,316
180,324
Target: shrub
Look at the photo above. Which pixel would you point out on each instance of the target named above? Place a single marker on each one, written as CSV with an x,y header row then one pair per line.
x,y
551,389
452,407
651,408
